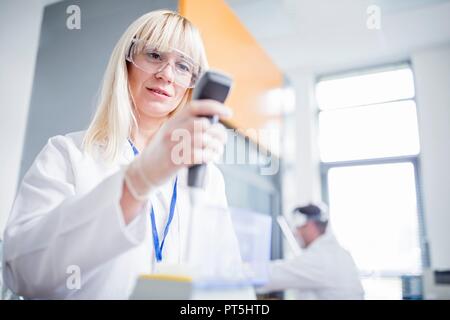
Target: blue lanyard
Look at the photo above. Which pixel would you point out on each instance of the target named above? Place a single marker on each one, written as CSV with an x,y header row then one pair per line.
x,y
156,244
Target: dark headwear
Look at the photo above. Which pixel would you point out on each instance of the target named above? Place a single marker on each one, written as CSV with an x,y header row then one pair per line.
x,y
314,212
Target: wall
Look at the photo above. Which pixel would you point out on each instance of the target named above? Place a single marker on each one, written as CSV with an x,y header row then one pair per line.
x,y
307,152
432,78
20,22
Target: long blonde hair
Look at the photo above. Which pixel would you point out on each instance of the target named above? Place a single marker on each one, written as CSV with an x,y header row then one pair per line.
x,y
115,116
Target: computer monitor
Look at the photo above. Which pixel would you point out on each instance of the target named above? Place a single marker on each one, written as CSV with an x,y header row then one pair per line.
x,y
254,233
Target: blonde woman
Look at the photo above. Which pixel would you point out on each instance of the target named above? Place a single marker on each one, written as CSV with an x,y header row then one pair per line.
x,y
98,208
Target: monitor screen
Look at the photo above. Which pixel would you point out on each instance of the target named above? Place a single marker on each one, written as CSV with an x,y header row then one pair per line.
x,y
254,232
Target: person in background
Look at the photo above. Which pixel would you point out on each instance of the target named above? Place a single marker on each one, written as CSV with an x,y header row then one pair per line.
x,y
324,270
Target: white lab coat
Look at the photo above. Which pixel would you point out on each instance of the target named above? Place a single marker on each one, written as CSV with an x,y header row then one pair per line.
x,y
323,271
67,213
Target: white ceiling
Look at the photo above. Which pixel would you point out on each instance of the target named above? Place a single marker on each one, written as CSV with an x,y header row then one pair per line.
x,y
328,35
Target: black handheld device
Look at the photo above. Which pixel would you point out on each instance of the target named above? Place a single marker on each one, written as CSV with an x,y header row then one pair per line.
x,y
212,85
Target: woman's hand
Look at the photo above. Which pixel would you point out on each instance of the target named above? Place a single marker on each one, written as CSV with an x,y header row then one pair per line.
x,y
185,139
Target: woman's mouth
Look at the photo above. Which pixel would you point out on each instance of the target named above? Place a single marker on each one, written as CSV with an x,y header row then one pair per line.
x,y
158,92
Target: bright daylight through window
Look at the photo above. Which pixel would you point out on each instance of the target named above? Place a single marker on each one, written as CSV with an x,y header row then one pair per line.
x,y
369,149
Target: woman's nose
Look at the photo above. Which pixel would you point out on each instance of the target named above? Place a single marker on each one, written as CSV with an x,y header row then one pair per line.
x,y
166,72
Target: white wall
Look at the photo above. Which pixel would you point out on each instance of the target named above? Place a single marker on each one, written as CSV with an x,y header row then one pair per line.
x,y
20,24
301,178
432,77
307,157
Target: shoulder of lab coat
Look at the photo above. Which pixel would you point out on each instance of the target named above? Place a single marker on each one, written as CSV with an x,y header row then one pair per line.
x,y
324,265
51,223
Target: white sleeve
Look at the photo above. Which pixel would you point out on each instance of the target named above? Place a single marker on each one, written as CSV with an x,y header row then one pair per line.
x,y
51,227
302,272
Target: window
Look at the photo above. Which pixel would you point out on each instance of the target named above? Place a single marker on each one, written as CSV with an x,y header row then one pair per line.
x,y
376,131
369,151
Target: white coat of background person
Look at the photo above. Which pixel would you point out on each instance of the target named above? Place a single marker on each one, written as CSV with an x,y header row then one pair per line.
x,y
84,205
323,270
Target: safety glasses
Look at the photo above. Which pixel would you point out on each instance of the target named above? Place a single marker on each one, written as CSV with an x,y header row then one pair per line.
x,y
152,61
297,221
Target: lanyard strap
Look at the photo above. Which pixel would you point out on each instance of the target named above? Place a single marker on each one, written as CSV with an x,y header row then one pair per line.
x,y
159,247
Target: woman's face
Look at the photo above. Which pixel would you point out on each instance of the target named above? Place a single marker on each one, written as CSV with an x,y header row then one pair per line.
x,y
155,95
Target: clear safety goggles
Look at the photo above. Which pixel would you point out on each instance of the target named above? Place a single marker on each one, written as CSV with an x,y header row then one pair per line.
x,y
297,221
152,60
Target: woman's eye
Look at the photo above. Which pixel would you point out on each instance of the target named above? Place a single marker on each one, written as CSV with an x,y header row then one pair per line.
x,y
183,67
154,56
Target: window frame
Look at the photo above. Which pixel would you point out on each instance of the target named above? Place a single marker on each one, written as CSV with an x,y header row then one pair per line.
x,y
324,167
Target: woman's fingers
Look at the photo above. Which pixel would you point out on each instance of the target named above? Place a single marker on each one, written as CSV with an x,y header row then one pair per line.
x,y
218,132
203,125
208,146
209,108
208,154
206,141
216,152
200,156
